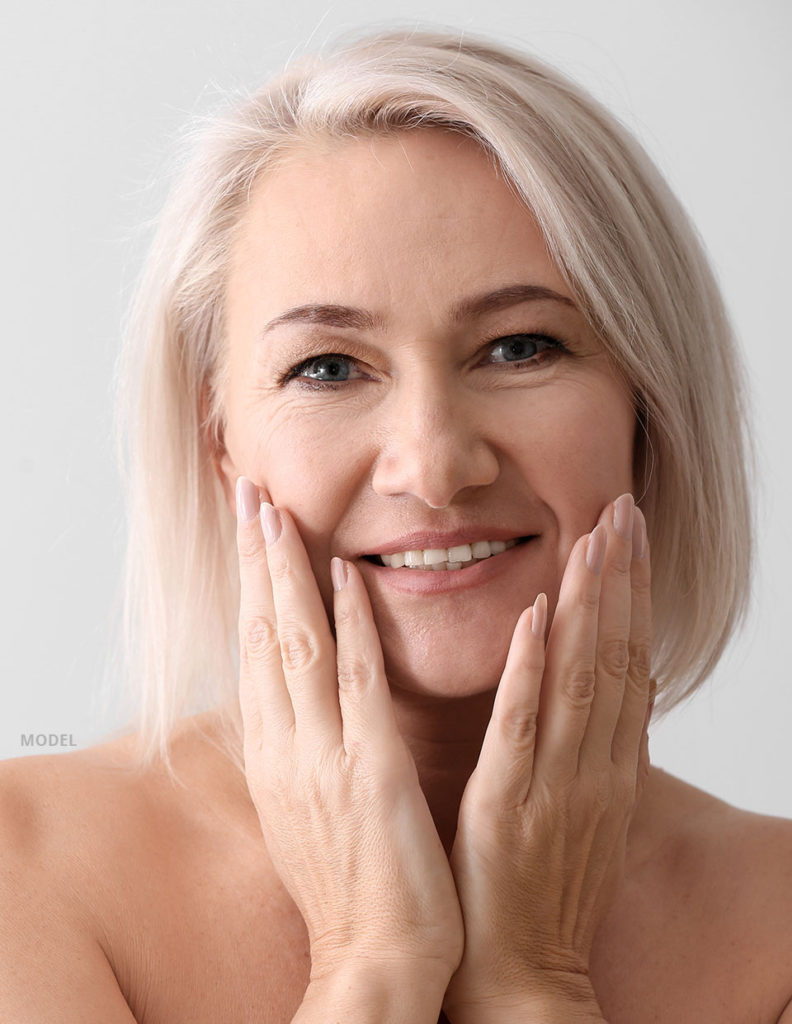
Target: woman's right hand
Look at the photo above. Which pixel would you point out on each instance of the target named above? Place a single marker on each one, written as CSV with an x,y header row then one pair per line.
x,y
336,789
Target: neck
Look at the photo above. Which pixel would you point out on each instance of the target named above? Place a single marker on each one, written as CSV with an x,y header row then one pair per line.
x,y
444,736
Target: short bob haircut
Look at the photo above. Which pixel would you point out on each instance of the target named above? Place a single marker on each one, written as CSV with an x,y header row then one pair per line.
x,y
620,238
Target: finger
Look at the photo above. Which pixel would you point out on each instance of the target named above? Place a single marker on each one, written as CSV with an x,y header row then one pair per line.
x,y
569,678
264,700
506,761
627,738
613,636
363,692
308,652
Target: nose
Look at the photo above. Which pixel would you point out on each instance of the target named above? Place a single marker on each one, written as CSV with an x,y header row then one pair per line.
x,y
433,444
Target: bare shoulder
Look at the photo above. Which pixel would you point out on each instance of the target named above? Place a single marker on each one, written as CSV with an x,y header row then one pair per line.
x,y
112,876
746,856
53,815
725,873
57,808
79,814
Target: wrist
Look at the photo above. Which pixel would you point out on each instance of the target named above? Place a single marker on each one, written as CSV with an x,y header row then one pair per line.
x,y
551,1000
374,993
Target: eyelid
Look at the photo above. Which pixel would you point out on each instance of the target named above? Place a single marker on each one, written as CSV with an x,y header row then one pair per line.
x,y
539,335
294,372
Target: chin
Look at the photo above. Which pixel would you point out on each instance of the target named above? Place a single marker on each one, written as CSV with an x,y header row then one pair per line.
x,y
453,668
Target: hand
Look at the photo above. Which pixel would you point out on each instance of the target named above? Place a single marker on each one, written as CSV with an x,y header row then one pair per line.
x,y
337,792
541,836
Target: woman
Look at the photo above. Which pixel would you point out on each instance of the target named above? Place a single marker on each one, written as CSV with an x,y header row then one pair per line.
x,y
420,307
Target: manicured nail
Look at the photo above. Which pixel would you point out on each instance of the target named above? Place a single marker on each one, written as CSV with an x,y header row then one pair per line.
x,y
247,499
623,509
539,620
270,522
639,534
338,573
595,549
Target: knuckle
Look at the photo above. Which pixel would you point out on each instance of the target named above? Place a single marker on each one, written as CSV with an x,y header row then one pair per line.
x,y
352,671
614,656
251,548
346,616
640,658
259,638
281,570
519,727
299,650
588,600
620,566
579,686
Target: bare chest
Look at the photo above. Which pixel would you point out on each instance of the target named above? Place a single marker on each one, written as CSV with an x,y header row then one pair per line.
x,y
227,943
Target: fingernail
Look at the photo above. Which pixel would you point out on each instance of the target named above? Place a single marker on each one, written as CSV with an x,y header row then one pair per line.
x,y
639,534
270,522
595,549
539,620
338,573
247,499
623,509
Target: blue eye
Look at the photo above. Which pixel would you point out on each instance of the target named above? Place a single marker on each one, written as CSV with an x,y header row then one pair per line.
x,y
517,347
327,368
333,369
321,371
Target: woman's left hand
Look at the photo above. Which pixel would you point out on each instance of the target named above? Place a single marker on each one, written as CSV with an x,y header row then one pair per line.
x,y
541,835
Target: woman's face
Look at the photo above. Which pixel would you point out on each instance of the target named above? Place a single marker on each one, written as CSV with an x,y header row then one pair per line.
x,y
441,413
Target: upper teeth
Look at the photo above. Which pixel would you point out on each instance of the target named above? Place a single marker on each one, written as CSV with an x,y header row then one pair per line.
x,y
442,558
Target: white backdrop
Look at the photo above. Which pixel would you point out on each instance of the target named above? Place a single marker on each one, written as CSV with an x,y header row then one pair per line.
x,y
92,95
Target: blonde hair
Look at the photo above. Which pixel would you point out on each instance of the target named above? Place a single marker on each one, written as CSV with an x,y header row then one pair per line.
x,y
622,241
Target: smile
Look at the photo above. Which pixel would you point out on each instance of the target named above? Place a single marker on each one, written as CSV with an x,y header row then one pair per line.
x,y
443,559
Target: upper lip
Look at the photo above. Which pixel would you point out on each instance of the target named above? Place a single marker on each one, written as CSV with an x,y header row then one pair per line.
x,y
424,540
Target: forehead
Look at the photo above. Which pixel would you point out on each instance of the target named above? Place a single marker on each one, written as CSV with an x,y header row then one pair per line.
x,y
385,221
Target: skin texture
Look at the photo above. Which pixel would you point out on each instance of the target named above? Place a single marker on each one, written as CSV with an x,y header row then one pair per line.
x,y
430,426
124,896
435,434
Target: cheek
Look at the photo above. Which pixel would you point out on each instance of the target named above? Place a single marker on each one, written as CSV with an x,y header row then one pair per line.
x,y
579,453
308,465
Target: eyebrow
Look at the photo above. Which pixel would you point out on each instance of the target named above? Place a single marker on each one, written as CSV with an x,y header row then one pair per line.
x,y
331,315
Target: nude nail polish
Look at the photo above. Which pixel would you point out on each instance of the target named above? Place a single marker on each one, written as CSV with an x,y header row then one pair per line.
x,y
623,516
338,573
270,522
595,549
247,499
539,620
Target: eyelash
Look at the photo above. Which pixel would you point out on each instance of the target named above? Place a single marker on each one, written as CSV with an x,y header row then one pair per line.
x,y
555,347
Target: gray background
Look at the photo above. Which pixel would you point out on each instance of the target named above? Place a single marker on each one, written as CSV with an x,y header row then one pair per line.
x,y
93,94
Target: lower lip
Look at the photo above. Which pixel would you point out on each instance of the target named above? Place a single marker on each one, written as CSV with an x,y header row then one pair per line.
x,y
430,581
